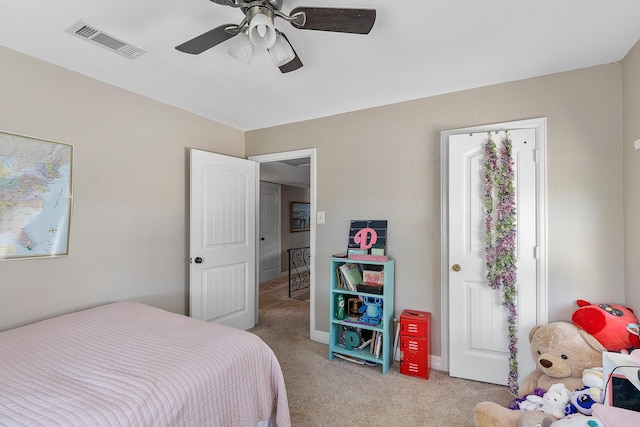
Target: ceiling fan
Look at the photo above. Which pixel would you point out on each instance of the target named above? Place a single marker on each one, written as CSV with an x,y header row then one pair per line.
x,y
257,29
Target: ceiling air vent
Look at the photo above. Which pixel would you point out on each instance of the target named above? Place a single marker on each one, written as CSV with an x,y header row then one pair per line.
x,y
103,39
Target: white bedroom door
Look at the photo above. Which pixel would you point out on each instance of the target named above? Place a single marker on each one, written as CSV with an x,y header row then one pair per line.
x,y
269,229
478,323
222,239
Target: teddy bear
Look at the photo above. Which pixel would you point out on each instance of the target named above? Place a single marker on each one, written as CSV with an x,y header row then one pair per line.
x,y
562,351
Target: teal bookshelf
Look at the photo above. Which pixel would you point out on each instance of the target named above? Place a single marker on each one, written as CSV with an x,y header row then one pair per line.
x,y
337,327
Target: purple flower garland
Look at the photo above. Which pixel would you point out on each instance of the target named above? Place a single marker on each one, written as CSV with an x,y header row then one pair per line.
x,y
500,251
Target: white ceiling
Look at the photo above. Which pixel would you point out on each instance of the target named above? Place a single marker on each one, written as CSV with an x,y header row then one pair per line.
x,y
416,49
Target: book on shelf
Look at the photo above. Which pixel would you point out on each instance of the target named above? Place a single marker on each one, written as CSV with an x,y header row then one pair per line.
x,y
349,358
370,289
373,277
351,275
340,279
354,359
378,345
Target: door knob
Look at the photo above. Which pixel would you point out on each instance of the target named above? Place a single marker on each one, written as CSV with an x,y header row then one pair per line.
x,y
454,267
198,260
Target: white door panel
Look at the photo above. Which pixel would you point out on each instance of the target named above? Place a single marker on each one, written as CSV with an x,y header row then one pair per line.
x,y
477,320
270,201
222,239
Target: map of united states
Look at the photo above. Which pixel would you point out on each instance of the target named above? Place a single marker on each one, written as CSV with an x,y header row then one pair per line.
x,y
35,197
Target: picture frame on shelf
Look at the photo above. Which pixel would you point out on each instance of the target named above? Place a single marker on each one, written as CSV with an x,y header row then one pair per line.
x,y
300,218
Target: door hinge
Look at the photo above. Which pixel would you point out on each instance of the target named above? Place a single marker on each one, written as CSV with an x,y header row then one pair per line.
x,y
535,252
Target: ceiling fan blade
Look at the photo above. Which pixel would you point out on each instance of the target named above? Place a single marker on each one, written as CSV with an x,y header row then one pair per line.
x,y
207,40
356,21
292,65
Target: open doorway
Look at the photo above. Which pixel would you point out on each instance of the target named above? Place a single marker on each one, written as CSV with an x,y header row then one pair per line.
x,y
293,172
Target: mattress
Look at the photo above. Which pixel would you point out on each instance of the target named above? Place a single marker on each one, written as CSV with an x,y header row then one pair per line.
x,y
129,364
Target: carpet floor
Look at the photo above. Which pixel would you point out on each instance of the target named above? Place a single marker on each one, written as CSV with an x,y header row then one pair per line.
x,y
340,393
270,285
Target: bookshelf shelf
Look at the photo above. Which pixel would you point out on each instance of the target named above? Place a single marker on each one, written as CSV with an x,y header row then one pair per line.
x,y
360,332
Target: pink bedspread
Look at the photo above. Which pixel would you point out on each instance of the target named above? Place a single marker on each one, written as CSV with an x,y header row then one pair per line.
x,y
128,364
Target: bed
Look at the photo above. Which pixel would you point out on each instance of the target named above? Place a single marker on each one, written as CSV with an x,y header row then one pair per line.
x,y
129,364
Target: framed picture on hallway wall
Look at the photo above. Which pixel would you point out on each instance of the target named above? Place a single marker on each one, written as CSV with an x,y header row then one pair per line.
x,y
300,216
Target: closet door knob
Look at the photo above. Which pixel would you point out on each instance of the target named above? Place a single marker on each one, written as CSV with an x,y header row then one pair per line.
x,y
454,267
198,260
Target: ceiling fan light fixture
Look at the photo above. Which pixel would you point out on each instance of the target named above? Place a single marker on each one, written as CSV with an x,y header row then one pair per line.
x,y
262,32
241,48
281,52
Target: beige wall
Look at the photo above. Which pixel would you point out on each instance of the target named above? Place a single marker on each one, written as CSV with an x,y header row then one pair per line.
x,y
383,163
128,229
631,117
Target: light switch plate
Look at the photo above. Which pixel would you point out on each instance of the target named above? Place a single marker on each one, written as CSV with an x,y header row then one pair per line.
x,y
320,217
636,144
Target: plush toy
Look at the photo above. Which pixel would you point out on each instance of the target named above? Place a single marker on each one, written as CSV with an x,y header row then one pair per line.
x,y
577,420
583,399
608,323
372,309
530,402
553,402
593,379
562,351
582,402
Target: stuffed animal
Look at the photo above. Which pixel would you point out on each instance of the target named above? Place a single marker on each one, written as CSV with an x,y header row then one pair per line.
x,y
577,420
582,402
583,399
553,402
372,309
593,379
562,351
530,402
608,323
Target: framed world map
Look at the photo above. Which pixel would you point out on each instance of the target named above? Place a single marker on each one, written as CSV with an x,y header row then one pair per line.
x,y
35,197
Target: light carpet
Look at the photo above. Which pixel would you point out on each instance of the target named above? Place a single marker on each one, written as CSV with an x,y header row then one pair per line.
x,y
340,393
269,285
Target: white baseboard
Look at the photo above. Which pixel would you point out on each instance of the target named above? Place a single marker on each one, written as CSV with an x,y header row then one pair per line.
x,y
320,336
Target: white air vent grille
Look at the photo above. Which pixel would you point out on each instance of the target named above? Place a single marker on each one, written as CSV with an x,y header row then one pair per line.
x,y
103,39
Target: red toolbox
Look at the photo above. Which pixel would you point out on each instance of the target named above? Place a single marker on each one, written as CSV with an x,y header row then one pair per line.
x,y
414,343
